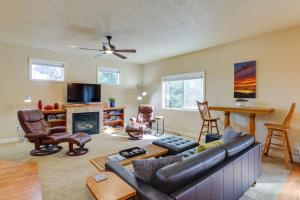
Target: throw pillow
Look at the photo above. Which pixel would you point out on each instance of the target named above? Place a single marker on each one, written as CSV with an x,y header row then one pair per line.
x,y
145,169
230,134
209,145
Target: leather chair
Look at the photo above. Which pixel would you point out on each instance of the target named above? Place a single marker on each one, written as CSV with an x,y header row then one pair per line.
x,y
142,123
37,131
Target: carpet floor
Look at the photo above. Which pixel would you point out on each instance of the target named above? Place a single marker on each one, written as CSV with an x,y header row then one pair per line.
x,y
63,177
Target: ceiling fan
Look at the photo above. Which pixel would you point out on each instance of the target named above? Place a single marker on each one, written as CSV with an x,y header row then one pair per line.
x,y
108,48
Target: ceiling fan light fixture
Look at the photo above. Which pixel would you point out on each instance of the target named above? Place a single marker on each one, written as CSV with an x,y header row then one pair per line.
x,y
108,48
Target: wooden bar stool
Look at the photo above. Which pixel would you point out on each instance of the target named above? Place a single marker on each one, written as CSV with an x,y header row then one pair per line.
x,y
280,135
208,123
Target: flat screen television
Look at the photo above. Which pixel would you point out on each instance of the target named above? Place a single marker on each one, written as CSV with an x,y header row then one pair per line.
x,y
83,93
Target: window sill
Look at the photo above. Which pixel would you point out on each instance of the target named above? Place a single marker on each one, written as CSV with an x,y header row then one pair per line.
x,y
180,109
109,83
47,81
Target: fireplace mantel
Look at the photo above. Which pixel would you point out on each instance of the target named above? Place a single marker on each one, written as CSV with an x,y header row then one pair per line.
x,y
83,108
73,105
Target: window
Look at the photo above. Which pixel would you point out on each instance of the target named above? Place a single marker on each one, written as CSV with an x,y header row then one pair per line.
x,y
46,70
108,75
183,90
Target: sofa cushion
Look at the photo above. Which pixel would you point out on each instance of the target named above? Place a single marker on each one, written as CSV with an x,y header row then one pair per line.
x,y
237,145
175,145
230,134
188,153
174,176
209,145
144,169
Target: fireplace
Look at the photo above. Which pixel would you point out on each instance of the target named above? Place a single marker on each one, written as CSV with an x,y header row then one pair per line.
x,y
87,122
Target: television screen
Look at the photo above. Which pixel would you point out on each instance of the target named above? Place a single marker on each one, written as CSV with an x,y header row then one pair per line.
x,y
83,93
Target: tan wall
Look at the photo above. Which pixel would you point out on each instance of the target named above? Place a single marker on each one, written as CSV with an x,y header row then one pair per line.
x,y
15,84
278,80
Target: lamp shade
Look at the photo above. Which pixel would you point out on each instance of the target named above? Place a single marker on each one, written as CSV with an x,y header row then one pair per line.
x,y
27,99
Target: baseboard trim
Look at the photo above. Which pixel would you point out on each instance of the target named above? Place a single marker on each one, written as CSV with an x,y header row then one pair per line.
x,y
9,140
180,132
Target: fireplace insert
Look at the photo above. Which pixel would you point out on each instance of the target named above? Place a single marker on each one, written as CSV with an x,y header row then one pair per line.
x,y
86,122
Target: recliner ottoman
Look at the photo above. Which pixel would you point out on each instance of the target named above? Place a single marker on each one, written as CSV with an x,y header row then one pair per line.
x,y
175,145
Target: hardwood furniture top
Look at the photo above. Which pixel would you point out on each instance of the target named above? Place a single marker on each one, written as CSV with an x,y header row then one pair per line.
x,y
114,108
54,111
63,110
256,110
70,105
159,117
151,151
19,181
113,188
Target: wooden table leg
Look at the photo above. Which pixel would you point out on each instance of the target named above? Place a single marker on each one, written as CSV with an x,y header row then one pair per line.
x,y
252,124
226,119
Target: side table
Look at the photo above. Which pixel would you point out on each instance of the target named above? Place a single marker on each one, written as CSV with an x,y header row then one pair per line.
x,y
113,188
157,118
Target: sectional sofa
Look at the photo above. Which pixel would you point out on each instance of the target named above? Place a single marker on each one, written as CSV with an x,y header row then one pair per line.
x,y
223,172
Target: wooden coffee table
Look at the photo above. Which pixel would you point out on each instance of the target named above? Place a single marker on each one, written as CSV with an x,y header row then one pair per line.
x,y
113,188
151,151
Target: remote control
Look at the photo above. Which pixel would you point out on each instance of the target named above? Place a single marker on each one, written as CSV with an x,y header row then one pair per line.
x,y
100,177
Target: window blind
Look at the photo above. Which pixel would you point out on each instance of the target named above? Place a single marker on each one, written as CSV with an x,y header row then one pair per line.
x,y
187,76
48,63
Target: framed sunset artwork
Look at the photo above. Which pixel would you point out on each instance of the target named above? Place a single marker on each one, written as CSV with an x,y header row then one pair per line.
x,y
245,80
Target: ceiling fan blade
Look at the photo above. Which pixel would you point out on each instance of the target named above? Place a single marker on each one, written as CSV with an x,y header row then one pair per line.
x,y
126,50
119,55
90,49
96,56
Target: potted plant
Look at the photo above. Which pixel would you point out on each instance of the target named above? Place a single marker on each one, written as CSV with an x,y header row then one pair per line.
x,y
112,101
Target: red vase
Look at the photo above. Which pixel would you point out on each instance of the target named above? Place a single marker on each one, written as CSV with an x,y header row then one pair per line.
x,y
56,106
40,105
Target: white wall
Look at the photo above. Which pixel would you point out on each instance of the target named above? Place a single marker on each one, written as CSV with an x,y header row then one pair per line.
x,y
278,81
15,84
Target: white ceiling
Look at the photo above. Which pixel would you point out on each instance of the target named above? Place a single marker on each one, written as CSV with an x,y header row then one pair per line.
x,y
156,28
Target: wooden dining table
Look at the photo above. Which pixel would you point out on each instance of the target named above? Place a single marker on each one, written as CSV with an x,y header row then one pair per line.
x,y
250,111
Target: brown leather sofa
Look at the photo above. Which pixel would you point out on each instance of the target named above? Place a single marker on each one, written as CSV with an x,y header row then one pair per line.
x,y
46,139
142,123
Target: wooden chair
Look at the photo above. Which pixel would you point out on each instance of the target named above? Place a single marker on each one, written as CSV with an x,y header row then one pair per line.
x,y
208,123
281,135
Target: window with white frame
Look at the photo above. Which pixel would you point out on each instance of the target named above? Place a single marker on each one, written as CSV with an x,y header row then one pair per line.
x,y
108,75
183,90
46,70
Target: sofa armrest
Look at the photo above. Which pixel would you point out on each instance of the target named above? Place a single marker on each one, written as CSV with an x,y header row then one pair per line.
x,y
144,191
58,129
